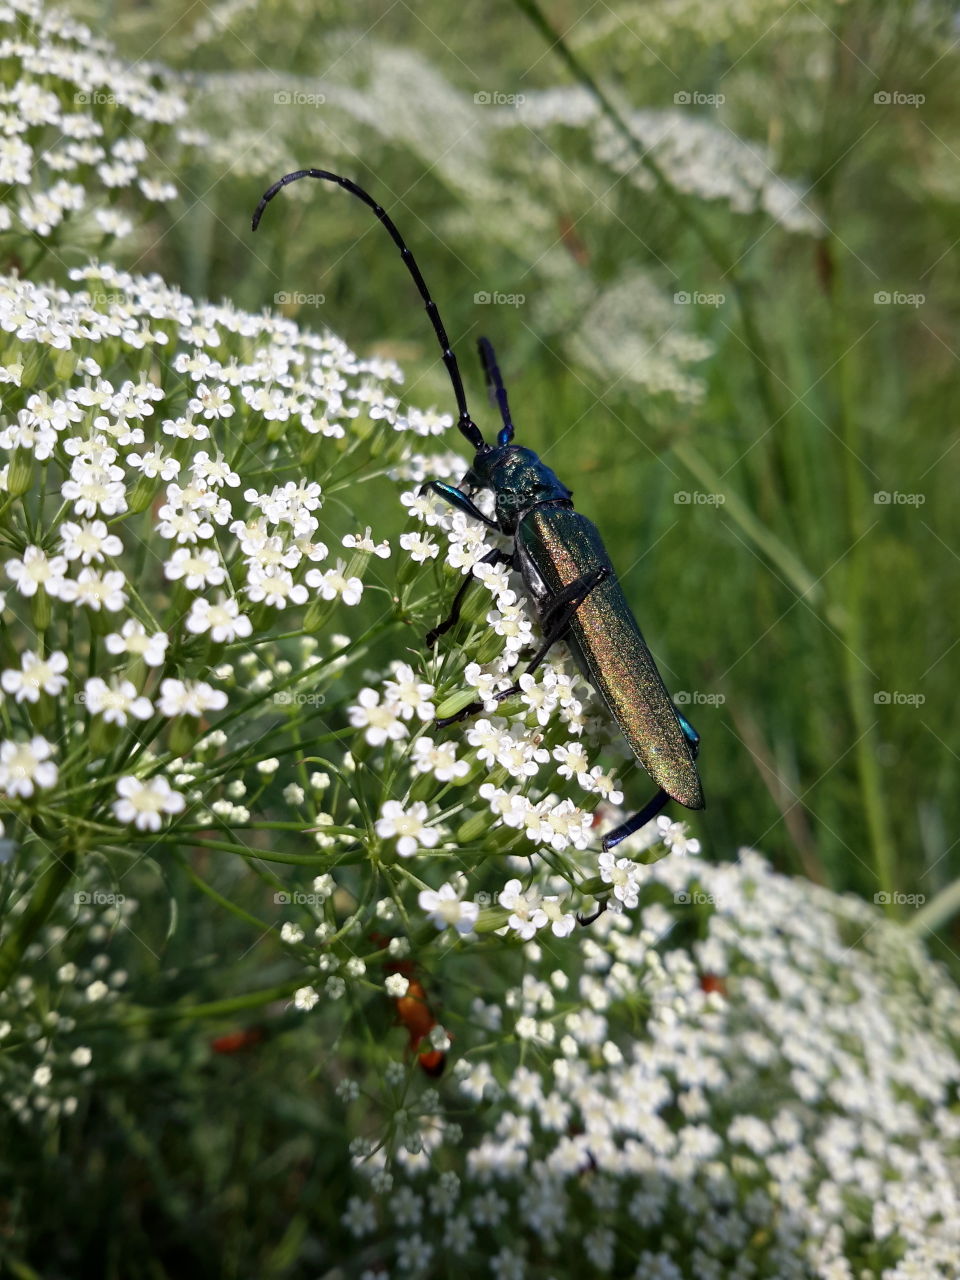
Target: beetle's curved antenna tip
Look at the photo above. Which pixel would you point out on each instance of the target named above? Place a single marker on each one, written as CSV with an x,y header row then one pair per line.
x,y
272,191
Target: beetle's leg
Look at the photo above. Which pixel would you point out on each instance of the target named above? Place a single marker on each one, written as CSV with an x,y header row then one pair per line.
x,y
585,920
662,798
618,834
457,498
556,621
495,556
558,615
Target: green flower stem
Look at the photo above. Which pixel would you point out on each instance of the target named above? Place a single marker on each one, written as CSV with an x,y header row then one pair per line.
x,y
210,1008
934,914
26,926
244,851
852,587
232,907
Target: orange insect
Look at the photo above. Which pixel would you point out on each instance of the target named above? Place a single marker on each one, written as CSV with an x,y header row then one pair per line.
x,y
414,1013
236,1041
710,982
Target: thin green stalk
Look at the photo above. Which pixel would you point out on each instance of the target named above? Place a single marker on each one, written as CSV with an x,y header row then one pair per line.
x,y
27,925
934,914
856,672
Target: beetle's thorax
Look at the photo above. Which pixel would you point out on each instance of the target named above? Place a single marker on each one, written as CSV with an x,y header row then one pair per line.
x,y
519,480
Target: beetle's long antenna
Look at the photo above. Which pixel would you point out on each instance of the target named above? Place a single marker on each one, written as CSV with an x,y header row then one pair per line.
x,y
498,392
465,423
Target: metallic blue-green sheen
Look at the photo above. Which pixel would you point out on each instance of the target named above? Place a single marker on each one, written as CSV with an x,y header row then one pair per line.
x,y
562,545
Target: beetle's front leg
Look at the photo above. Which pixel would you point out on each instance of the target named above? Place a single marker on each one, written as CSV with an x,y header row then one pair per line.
x,y
557,615
494,556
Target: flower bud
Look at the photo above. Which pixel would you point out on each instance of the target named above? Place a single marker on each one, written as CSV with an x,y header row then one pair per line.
x,y
20,472
456,702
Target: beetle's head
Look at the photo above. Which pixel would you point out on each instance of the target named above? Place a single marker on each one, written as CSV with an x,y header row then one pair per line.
x,y
519,481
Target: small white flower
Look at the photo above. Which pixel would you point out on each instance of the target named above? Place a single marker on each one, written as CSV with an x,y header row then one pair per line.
x,y
37,675
411,694
364,542
189,698
35,570
527,914
144,803
446,909
396,985
623,875
331,584
116,701
420,546
96,591
603,784
674,836
198,569
88,541
408,826
275,586
25,765
572,759
380,720
440,760
133,639
222,619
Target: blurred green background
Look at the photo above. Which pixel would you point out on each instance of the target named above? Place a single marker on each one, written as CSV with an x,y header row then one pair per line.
x,y
805,617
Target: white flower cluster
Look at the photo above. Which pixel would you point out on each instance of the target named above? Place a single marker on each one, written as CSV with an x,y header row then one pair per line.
x,y
77,125
136,500
52,1067
762,1081
697,157
629,333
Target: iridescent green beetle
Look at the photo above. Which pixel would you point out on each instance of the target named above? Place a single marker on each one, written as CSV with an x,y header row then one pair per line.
x,y
565,567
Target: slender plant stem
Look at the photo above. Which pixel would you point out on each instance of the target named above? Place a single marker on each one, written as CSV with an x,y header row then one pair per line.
x,y
44,898
856,673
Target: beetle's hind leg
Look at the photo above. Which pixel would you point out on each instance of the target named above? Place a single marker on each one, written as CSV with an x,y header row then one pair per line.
x,y
556,617
619,834
494,556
